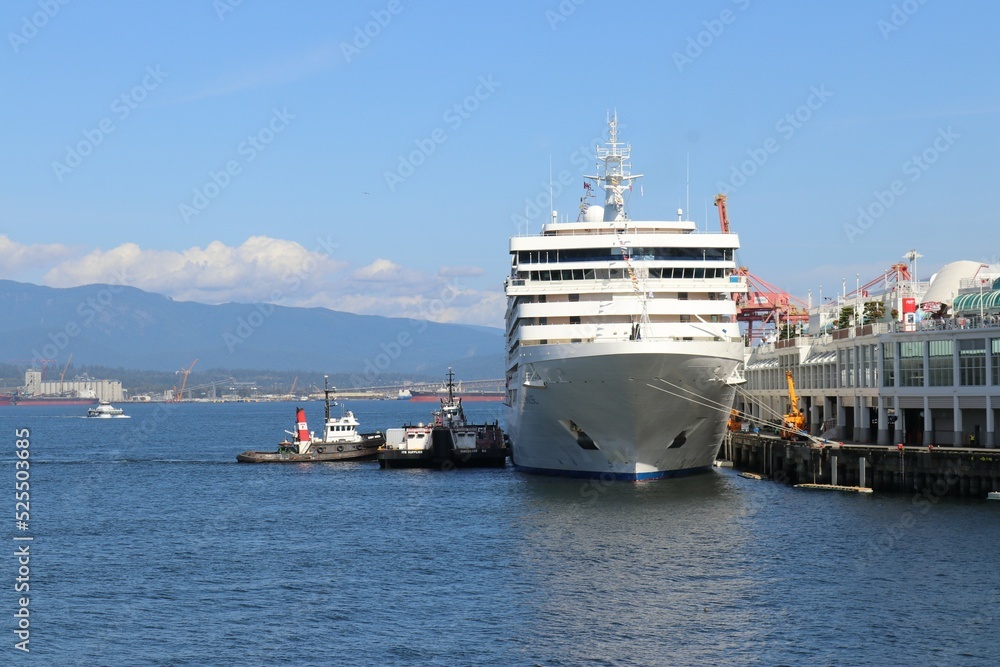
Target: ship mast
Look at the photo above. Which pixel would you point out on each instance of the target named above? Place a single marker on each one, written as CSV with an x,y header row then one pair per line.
x,y
615,178
451,385
614,175
326,392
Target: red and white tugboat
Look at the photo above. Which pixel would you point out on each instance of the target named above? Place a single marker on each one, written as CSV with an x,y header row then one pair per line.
x,y
341,441
449,441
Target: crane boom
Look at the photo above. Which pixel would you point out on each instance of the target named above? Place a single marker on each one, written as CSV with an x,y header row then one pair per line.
x,y
66,367
185,372
793,422
720,201
792,396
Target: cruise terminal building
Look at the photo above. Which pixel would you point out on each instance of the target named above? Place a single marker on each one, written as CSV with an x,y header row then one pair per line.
x,y
917,382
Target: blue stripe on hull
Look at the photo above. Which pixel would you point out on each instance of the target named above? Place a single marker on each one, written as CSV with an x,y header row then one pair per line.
x,y
618,476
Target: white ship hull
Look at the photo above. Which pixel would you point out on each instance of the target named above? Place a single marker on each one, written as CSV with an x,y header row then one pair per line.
x,y
622,337
622,410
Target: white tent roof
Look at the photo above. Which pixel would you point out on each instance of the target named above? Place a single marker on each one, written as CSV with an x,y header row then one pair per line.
x,y
945,283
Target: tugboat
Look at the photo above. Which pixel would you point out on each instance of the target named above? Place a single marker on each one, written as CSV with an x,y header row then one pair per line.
x,y
449,441
340,442
105,410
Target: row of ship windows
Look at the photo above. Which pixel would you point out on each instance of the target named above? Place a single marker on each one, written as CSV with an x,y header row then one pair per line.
x,y
614,274
617,253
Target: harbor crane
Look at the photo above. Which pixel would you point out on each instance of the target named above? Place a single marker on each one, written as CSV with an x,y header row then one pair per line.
x,y
895,276
210,386
720,202
792,423
31,363
66,367
763,303
185,371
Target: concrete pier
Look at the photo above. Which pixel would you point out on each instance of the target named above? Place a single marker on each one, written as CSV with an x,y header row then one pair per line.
x,y
938,471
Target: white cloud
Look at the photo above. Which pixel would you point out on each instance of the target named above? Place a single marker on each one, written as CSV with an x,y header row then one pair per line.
x,y
464,271
18,258
264,269
381,270
261,269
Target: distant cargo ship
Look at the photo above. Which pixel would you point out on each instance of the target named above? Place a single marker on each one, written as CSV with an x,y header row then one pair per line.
x,y
442,392
16,399
466,396
82,390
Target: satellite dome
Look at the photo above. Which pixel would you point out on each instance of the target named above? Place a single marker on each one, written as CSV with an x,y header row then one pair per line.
x,y
594,213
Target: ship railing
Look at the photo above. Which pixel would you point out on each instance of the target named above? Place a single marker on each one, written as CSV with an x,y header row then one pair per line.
x,y
619,338
624,285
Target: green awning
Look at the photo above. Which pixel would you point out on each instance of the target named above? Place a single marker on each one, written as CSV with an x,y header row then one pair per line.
x,y
970,303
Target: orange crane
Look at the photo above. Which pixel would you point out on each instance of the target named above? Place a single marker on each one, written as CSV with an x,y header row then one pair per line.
x,y
766,304
180,392
896,275
763,302
720,201
734,423
793,423
31,363
66,367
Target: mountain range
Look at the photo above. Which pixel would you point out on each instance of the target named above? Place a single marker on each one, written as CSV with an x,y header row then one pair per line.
x,y
118,326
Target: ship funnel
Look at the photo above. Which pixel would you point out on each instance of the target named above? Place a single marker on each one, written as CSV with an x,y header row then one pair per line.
x,y
301,426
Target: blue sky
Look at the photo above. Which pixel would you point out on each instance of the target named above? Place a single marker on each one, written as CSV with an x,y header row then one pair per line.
x,y
375,157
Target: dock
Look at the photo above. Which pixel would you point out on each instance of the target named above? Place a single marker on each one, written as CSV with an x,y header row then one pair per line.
x,y
831,487
960,472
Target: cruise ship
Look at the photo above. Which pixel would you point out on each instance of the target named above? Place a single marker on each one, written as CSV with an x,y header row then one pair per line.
x,y
623,349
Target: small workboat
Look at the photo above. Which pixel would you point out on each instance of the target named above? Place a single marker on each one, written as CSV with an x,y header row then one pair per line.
x,y
104,410
341,441
449,441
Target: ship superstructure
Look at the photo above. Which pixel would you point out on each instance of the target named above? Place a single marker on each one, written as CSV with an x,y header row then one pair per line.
x,y
622,340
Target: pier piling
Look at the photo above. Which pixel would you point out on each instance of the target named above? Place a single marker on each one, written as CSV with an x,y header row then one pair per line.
x,y
939,471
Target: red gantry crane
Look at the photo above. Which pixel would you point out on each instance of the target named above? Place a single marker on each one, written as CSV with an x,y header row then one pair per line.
x,y
763,304
894,276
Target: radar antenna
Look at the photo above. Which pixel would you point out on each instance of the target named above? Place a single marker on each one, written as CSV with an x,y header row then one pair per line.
x,y
614,176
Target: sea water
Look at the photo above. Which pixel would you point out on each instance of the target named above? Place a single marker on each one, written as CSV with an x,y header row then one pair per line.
x,y
151,545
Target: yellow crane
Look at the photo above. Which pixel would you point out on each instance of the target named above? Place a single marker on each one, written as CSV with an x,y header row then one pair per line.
x,y
185,371
794,422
